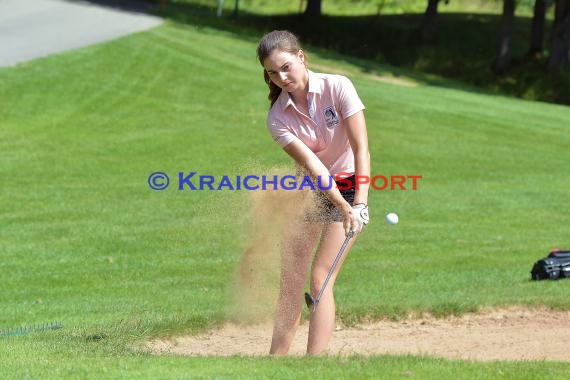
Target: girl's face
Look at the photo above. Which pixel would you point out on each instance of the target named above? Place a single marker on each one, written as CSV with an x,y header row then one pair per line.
x,y
287,70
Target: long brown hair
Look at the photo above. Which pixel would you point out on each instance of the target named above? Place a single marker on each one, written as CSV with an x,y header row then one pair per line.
x,y
283,40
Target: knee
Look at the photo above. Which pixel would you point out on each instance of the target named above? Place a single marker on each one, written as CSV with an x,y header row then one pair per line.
x,y
318,279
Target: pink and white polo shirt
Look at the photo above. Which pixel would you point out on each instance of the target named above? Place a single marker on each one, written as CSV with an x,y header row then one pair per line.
x,y
331,99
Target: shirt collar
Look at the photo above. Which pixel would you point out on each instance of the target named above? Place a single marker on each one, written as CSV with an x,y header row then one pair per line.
x,y
314,87
314,83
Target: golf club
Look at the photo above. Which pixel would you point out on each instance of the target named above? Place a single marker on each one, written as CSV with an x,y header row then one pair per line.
x,y
308,297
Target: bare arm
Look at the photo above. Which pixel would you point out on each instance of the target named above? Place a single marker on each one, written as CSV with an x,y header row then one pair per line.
x,y
358,138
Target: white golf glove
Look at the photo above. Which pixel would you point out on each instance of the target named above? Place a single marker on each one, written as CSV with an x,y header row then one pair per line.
x,y
361,211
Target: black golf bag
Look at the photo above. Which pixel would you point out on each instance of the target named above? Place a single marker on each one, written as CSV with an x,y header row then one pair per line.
x,y
554,266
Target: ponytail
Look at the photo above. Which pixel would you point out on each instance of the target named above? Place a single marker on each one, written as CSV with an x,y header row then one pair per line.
x,y
274,90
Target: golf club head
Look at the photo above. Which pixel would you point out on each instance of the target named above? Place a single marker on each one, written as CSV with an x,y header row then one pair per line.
x,y
309,300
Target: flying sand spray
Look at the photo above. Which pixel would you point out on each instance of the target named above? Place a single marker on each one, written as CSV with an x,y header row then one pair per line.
x,y
271,214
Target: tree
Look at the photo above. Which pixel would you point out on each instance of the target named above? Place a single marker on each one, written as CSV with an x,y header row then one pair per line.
x,y
504,54
313,8
427,29
537,30
560,47
236,8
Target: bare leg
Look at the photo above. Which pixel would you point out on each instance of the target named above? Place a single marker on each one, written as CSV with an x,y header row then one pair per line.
x,y
295,261
323,319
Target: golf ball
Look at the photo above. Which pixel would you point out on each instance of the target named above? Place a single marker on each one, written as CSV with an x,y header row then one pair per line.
x,y
392,218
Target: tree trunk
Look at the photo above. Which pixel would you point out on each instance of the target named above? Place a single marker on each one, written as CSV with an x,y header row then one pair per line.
x,y
427,29
504,54
537,30
313,8
236,8
561,37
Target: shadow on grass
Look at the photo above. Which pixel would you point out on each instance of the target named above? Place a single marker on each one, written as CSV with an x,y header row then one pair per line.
x,y
460,56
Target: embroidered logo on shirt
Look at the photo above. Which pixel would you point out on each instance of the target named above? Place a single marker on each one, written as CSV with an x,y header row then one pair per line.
x,y
330,117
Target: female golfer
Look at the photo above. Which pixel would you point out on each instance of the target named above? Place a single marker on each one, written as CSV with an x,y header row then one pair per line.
x,y
318,120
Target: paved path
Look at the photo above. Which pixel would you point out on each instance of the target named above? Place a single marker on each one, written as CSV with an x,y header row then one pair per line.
x,y
32,29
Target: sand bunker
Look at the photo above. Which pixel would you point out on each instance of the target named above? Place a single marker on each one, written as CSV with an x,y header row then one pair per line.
x,y
514,334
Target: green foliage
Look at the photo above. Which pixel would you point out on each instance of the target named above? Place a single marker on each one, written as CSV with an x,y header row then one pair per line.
x,y
351,7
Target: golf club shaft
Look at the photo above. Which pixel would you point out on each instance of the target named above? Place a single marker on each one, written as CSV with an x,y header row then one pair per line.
x,y
332,269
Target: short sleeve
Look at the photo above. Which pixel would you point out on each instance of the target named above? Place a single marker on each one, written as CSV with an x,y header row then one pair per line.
x,y
349,100
280,133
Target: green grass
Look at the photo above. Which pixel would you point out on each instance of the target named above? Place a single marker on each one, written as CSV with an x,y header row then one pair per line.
x,y
383,367
86,242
